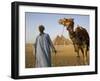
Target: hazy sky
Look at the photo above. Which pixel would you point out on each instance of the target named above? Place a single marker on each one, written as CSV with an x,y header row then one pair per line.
x,y
50,21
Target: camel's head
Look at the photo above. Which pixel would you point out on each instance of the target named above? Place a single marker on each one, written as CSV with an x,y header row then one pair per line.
x,y
67,22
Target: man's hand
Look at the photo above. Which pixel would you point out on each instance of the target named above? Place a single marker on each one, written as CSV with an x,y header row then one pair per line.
x,y
54,51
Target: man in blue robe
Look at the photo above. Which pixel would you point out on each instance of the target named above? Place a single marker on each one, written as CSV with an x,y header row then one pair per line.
x,y
43,46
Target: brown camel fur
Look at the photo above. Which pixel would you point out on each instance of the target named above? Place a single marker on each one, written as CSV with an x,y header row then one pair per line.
x,y
79,37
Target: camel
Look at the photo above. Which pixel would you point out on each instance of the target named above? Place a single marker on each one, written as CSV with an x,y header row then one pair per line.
x,y
79,37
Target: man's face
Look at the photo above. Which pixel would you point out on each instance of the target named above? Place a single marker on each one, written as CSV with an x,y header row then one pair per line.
x,y
41,29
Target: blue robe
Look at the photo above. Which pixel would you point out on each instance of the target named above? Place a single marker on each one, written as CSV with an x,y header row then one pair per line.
x,y
43,47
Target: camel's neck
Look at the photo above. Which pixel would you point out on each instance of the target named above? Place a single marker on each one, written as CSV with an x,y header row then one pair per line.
x,y
71,33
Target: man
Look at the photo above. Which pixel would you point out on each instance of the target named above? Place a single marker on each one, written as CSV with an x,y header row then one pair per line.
x,y
43,47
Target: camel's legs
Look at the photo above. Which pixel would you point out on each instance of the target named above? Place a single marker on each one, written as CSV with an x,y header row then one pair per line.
x,y
78,56
82,50
78,53
76,47
86,50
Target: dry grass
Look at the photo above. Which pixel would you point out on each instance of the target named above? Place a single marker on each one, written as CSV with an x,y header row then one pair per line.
x,y
65,56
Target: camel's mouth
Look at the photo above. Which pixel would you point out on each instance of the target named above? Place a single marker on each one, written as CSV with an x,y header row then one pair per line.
x,y
61,21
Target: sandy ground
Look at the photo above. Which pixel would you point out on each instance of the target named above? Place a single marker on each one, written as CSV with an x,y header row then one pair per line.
x,y
65,56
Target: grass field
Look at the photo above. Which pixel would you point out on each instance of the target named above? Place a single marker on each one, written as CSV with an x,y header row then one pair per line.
x,y
65,56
